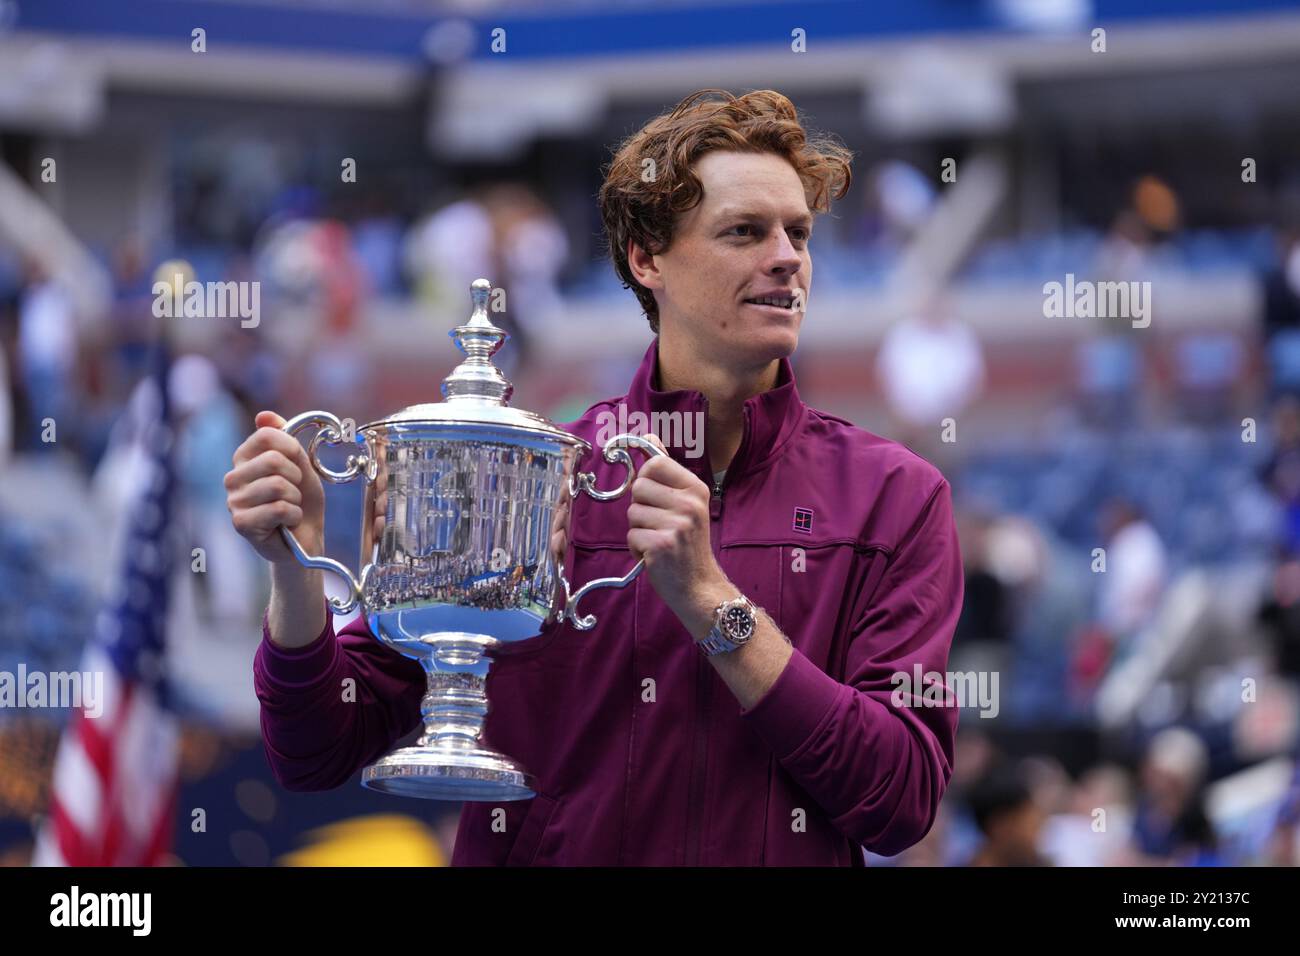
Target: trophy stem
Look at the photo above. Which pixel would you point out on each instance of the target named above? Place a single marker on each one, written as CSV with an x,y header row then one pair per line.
x,y
449,761
454,708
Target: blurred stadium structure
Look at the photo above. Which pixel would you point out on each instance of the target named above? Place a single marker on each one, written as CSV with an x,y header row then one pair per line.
x,y
1163,690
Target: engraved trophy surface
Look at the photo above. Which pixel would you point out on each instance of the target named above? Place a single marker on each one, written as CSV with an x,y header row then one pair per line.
x,y
463,502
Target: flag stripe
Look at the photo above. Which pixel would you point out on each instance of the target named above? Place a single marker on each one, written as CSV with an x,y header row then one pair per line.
x,y
79,787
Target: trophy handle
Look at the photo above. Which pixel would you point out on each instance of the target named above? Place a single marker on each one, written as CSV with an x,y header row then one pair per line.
x,y
616,453
330,431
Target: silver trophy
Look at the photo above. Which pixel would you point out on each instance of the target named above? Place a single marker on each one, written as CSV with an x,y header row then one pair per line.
x,y
466,501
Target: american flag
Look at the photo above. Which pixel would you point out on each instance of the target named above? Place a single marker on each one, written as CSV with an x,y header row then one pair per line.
x,y
113,796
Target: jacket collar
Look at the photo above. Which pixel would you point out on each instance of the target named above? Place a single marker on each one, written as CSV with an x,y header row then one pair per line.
x,y
771,417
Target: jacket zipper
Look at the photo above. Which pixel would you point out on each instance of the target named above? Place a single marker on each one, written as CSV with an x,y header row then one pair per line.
x,y
701,741
699,756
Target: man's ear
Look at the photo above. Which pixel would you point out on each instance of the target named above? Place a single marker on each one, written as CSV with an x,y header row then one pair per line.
x,y
643,266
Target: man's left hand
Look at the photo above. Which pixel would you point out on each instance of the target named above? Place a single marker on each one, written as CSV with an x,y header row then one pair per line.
x,y
668,526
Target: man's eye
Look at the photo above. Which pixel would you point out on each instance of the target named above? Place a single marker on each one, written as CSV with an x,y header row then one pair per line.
x,y
799,234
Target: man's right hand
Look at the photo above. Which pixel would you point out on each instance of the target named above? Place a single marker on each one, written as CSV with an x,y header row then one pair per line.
x,y
273,483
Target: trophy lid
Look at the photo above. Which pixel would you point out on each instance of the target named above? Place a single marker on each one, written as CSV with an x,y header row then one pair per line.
x,y
476,393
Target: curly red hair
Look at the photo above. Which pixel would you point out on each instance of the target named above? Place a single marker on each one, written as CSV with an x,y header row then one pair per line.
x,y
645,209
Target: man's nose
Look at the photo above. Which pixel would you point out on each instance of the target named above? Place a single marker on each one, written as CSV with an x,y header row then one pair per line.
x,y
785,257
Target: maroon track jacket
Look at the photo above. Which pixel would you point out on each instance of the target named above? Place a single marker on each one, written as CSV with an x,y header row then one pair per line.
x,y
846,540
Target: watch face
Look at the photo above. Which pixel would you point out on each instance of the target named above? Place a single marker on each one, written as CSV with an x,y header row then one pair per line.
x,y
738,624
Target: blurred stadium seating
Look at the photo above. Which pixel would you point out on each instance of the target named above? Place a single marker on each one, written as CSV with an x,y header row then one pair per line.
x,y
1123,164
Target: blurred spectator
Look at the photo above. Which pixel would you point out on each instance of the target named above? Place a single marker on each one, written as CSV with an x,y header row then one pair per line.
x,y
47,353
376,240
1171,825
115,353
6,410
1281,289
449,249
1135,578
507,234
210,427
1157,206
930,368
1009,817
1281,473
14,397
1282,286
1126,247
1141,228
310,263
1095,822
1048,605
131,321
1283,848
985,612
897,200
982,638
1111,363
1280,615
532,249
932,848
1110,370
250,368
1208,367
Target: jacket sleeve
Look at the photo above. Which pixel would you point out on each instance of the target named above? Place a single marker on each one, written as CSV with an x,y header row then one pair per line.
x,y
316,730
877,769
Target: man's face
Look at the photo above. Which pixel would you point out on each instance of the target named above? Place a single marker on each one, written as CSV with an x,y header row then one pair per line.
x,y
748,237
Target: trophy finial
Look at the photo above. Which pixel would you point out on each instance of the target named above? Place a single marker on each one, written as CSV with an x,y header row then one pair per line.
x,y
479,290
476,378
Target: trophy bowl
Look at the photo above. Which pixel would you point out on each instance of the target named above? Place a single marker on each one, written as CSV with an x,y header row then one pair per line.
x,y
465,508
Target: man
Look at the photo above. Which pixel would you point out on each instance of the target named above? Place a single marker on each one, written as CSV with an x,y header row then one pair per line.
x,y
734,705
1009,817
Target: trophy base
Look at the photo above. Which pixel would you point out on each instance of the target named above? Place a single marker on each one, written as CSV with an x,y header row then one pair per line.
x,y
445,774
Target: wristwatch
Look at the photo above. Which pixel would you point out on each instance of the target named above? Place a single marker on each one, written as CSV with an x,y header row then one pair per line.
x,y
734,623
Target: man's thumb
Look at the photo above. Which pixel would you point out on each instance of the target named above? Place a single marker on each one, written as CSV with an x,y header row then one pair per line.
x,y
266,418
